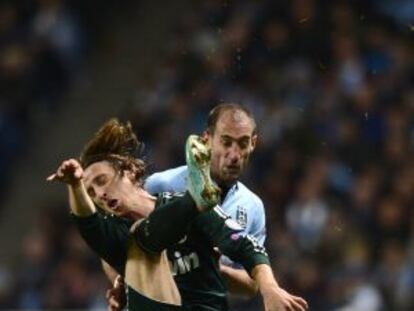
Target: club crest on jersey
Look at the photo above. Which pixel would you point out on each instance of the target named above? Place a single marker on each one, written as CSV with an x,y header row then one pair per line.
x,y
241,216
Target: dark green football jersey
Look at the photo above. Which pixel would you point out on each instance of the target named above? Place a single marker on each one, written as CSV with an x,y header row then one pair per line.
x,y
194,262
108,236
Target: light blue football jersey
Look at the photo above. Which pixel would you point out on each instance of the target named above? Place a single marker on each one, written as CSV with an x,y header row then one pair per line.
x,y
240,203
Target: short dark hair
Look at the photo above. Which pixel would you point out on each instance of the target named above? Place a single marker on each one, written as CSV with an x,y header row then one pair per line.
x,y
218,110
116,143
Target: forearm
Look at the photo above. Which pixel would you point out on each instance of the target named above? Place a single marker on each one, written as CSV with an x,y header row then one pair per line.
x,y
239,282
110,272
262,274
80,202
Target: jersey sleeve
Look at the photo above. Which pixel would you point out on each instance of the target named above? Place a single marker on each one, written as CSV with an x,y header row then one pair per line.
x,y
228,236
258,228
106,236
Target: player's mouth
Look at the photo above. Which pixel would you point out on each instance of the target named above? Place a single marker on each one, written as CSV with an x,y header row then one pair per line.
x,y
113,204
233,169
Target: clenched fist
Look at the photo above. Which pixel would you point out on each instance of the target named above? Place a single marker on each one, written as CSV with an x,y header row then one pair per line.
x,y
69,172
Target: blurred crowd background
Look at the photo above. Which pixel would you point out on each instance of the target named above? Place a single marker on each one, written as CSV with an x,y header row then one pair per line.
x,y
331,86
43,45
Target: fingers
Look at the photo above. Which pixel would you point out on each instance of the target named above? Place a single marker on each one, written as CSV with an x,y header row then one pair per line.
x,y
296,306
296,300
298,303
119,281
69,166
286,302
302,302
78,173
113,303
108,294
70,171
51,177
115,295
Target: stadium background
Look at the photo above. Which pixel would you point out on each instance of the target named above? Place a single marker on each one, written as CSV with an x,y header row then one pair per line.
x,y
330,84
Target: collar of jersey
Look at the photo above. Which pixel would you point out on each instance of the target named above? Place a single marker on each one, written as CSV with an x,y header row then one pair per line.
x,y
232,190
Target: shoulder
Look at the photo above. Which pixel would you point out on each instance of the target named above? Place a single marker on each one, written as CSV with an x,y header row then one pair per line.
x,y
249,195
169,174
166,180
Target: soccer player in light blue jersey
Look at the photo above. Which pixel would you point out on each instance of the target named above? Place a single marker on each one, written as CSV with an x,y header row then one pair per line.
x,y
231,133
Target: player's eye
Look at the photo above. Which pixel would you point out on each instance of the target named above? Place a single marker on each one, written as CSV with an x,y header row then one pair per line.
x,y
243,144
101,180
226,142
91,192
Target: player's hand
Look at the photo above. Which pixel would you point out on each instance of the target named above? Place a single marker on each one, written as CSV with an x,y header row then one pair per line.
x,y
277,299
217,254
69,172
116,296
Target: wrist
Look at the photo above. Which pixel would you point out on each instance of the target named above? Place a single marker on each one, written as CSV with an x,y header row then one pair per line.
x,y
76,184
267,287
72,181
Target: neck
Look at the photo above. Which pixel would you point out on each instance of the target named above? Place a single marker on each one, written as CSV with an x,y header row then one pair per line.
x,y
224,184
225,187
143,205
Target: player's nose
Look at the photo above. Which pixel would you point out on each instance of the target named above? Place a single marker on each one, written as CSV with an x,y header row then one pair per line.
x,y
101,194
234,153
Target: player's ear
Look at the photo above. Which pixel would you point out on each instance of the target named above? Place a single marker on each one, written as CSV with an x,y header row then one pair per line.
x,y
253,142
129,174
132,174
206,136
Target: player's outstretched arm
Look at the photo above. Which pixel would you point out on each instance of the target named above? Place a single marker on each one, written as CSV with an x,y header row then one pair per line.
x,y
239,282
274,297
70,172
